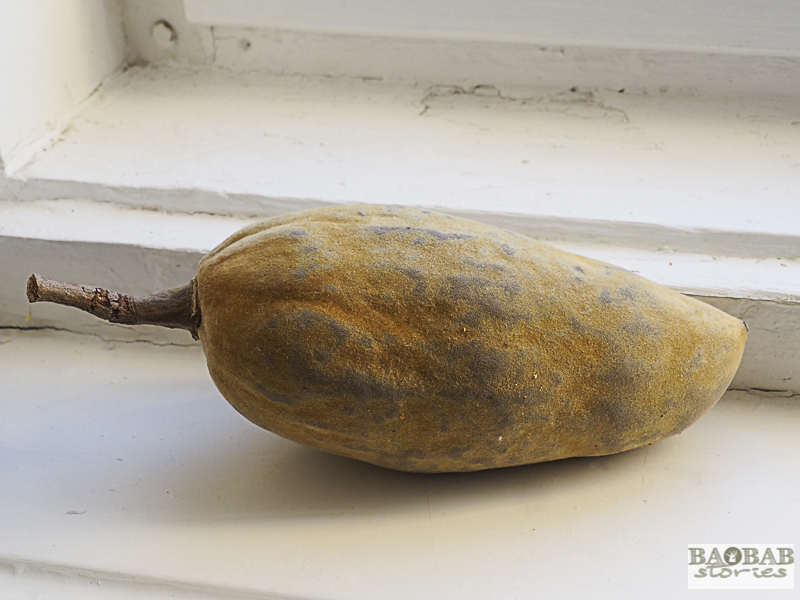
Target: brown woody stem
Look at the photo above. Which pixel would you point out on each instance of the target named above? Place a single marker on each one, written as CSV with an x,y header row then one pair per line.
x,y
176,308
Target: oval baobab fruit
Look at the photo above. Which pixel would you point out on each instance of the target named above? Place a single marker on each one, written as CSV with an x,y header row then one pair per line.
x,y
422,342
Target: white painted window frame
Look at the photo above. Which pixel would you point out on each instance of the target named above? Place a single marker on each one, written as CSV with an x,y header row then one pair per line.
x,y
735,26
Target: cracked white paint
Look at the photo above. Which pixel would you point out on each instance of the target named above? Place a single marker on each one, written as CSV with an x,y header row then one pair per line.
x,y
222,142
468,63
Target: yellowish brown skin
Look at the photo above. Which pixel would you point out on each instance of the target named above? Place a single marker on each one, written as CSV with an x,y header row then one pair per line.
x,y
422,342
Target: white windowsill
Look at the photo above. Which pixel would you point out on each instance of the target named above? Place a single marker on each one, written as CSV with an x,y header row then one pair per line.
x,y
236,143
694,192
127,475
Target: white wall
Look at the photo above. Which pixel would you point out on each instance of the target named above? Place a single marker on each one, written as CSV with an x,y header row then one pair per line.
x,y
53,55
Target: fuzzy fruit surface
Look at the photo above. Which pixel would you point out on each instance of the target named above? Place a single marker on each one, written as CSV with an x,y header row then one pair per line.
x,y
422,342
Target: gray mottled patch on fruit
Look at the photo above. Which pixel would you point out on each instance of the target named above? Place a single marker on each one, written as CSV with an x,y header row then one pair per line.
x,y
311,344
491,299
481,368
311,248
298,233
309,374
618,417
384,229
306,341
321,355
510,250
466,287
579,269
483,264
366,386
615,408
476,292
620,373
534,397
576,324
697,360
605,297
415,275
510,287
309,320
390,339
447,236
641,327
472,318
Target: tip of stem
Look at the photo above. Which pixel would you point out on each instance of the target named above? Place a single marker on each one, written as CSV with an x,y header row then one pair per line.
x,y
32,290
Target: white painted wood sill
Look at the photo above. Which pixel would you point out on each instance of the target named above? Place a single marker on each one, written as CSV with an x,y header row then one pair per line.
x,y
162,163
125,475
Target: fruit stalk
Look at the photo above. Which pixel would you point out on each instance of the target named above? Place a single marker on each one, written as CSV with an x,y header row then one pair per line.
x,y
176,308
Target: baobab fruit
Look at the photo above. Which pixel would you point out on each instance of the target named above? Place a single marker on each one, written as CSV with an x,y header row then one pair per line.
x,y
421,342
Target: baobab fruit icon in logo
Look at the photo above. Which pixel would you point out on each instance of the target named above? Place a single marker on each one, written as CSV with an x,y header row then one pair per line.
x,y
732,556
